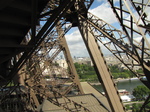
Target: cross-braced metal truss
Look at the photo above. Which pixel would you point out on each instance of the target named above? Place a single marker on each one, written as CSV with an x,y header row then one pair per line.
x,y
35,59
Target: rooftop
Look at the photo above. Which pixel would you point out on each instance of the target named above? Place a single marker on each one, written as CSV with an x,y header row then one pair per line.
x,y
92,104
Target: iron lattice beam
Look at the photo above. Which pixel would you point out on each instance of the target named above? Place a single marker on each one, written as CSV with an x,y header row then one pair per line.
x,y
100,66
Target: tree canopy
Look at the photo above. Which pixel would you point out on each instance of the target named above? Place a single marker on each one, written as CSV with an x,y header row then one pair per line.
x,y
141,92
87,72
120,73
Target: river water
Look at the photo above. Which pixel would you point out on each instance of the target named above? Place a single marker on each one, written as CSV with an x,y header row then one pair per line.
x,y
129,85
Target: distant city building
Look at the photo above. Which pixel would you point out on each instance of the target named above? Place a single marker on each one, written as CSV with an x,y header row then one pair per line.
x,y
62,63
57,69
83,60
110,60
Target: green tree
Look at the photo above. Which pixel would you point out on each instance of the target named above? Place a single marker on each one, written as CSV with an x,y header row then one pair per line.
x,y
116,75
114,68
120,73
127,107
141,92
136,107
86,72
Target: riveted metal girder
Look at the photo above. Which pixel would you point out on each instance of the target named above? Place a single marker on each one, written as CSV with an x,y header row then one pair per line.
x,y
69,60
101,68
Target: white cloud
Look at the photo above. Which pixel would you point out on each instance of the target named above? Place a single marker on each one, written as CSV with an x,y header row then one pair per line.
x,y
139,39
104,12
76,44
74,39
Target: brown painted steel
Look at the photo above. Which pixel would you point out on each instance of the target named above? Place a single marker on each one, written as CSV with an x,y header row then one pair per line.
x,y
101,68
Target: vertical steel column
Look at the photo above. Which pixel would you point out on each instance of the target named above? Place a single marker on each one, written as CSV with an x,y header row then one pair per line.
x,y
101,68
69,60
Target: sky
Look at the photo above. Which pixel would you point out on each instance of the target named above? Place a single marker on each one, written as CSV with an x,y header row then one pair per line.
x,y
101,9
76,45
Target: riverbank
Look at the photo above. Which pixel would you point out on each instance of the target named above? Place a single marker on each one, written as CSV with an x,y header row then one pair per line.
x,y
116,80
127,79
128,85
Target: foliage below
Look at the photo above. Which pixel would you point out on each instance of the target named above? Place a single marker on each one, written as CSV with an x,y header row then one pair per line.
x,y
87,72
141,92
137,107
120,73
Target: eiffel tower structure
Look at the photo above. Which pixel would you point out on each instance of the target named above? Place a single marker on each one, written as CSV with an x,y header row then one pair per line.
x,y
32,37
